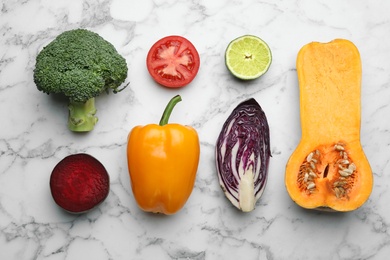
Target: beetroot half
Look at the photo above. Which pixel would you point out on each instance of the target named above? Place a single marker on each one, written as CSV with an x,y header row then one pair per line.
x,y
79,183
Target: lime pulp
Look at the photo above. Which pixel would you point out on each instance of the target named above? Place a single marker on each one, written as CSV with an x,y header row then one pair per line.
x,y
248,57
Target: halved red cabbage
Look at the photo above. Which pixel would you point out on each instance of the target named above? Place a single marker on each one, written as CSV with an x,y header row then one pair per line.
x,y
242,155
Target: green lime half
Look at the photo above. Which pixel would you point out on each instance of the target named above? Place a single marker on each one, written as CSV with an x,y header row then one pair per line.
x,y
248,57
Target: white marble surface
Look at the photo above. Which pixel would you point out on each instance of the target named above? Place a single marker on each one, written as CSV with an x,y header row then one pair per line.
x,y
34,136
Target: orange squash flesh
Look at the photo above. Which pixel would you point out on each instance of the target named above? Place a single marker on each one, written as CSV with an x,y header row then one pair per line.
x,y
328,169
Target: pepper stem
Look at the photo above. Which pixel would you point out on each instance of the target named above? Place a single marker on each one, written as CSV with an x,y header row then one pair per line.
x,y
168,110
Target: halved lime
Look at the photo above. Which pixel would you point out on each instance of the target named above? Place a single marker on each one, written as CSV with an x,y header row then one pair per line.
x,y
248,57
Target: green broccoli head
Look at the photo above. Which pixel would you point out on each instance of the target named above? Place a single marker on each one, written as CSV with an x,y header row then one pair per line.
x,y
81,65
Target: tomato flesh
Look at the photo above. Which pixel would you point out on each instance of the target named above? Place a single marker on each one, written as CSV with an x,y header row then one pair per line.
x,y
173,61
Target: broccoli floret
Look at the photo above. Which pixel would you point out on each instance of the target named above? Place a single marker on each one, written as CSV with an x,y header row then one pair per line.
x,y
81,65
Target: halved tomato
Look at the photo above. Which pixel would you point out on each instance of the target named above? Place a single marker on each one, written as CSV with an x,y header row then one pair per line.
x,y
173,61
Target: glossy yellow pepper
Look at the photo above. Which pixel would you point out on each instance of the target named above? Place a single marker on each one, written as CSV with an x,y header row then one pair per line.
x,y
163,161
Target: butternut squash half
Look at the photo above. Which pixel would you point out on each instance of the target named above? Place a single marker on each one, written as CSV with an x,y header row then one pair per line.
x,y
329,170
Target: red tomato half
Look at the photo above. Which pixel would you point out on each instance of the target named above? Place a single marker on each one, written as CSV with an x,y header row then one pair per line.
x,y
173,61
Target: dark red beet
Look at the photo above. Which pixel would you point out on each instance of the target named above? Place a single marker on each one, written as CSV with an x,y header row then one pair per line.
x,y
79,183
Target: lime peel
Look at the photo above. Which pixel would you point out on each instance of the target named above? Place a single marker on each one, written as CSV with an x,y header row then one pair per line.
x,y
248,57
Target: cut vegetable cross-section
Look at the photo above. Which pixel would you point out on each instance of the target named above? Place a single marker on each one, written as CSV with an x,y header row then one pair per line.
x,y
79,183
329,169
242,155
173,61
248,57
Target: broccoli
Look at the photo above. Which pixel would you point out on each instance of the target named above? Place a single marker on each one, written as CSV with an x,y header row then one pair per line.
x,y
81,65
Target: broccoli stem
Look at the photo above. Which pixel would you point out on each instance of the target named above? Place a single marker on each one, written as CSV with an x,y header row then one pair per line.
x,y
82,116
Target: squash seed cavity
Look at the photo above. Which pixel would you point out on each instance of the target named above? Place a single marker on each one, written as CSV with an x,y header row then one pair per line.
x,y
330,162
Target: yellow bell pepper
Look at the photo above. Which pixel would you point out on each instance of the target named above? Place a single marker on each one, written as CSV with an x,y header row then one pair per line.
x,y
163,161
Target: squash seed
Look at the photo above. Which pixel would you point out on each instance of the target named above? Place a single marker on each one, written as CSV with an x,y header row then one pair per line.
x,y
313,165
344,173
352,167
339,147
305,179
309,157
312,174
311,185
337,192
344,161
339,183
